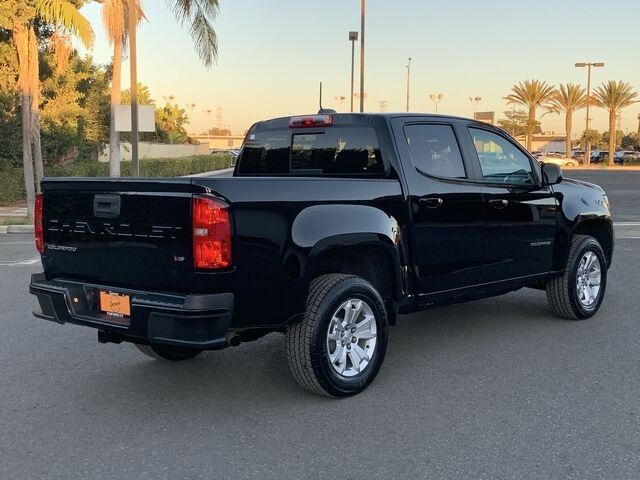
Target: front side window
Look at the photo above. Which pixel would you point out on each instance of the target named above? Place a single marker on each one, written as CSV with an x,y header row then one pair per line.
x,y
434,150
500,160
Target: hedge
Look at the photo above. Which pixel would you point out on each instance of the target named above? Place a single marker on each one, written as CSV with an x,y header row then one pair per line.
x,y
12,179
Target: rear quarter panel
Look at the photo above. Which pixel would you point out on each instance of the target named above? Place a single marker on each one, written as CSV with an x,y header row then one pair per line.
x,y
278,221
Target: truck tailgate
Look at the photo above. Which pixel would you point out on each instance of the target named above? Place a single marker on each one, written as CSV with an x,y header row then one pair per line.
x,y
128,233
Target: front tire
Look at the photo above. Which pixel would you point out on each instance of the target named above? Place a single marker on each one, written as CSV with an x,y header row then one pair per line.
x,y
578,293
338,348
166,352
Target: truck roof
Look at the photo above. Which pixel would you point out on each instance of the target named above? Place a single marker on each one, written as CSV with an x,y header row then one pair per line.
x,y
356,117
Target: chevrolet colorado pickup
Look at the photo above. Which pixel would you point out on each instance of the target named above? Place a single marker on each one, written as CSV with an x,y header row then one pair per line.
x,y
331,226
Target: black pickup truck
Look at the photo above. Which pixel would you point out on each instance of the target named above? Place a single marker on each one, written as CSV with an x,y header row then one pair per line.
x,y
331,226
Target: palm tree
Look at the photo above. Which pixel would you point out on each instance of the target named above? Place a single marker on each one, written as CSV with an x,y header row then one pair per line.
x,y
532,94
114,16
62,14
568,98
196,15
614,96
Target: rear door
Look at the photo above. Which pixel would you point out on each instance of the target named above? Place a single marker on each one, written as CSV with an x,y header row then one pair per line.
x,y
521,213
119,233
446,207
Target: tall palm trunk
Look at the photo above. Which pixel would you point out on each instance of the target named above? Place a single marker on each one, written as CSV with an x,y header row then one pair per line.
x,y
530,127
116,93
568,127
34,87
21,41
612,136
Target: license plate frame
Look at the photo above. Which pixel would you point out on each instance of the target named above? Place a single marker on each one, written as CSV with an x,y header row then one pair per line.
x,y
115,305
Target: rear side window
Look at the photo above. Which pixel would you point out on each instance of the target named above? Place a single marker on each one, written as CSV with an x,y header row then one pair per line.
x,y
434,150
331,151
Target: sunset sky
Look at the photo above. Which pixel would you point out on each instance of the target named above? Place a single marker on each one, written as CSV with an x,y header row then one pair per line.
x,y
274,54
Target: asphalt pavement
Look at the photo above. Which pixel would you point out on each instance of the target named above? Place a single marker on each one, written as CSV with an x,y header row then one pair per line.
x,y
494,389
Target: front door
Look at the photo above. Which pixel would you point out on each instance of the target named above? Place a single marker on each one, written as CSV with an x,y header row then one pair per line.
x,y
520,212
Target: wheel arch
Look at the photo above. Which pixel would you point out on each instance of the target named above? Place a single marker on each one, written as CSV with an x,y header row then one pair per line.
x,y
601,228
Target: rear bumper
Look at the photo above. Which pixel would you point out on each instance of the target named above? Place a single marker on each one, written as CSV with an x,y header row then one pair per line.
x,y
194,321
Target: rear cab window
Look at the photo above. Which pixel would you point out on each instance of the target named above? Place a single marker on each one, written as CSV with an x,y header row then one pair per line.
x,y
328,151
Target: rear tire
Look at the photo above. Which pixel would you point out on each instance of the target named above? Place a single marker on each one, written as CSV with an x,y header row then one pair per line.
x,y
166,352
586,271
338,348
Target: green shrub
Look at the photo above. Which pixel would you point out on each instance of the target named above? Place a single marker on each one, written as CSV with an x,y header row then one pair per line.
x,y
11,186
12,181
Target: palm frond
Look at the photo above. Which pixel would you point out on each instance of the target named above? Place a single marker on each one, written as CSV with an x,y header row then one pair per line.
x,y
62,48
199,15
65,14
531,93
614,95
568,98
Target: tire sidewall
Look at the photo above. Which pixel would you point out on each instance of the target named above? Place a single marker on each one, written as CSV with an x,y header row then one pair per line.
x,y
335,384
587,245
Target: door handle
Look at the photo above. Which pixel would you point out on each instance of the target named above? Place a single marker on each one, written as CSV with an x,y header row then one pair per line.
x,y
432,202
499,204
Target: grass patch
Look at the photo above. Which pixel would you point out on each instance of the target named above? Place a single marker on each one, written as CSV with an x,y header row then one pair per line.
x,y
14,221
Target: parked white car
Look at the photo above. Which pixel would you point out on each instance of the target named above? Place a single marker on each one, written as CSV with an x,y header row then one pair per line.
x,y
562,161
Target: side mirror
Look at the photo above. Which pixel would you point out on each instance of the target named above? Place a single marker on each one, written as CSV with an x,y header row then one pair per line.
x,y
551,174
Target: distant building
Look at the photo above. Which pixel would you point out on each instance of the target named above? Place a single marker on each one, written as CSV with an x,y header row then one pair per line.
x,y
220,142
486,117
545,142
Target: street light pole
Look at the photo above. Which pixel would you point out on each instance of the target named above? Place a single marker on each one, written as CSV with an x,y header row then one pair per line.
x,y
408,82
362,17
133,68
475,101
436,98
353,37
587,142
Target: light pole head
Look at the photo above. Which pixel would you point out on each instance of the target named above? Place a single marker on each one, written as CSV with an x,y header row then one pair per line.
x,y
353,36
598,64
581,64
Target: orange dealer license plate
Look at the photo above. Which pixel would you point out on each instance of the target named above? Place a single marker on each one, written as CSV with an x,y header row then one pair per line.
x,y
116,305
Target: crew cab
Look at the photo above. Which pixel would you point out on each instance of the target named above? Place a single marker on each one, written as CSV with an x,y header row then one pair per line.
x,y
331,226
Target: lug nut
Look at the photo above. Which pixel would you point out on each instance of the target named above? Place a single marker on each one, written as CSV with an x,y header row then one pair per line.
x,y
348,347
353,330
353,339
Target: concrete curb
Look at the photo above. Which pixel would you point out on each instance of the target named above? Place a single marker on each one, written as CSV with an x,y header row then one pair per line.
x,y
3,229
213,173
18,229
630,168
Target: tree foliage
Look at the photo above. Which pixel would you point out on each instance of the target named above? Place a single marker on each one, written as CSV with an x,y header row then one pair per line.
x,y
532,94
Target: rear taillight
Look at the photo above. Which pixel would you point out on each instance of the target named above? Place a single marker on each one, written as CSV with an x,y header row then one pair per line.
x,y
211,234
38,227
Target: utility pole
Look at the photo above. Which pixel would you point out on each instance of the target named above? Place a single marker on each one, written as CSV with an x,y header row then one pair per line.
x,y
587,140
133,68
353,38
363,5
408,82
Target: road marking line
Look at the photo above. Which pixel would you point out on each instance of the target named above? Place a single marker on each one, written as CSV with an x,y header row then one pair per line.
x,y
626,224
19,263
628,238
